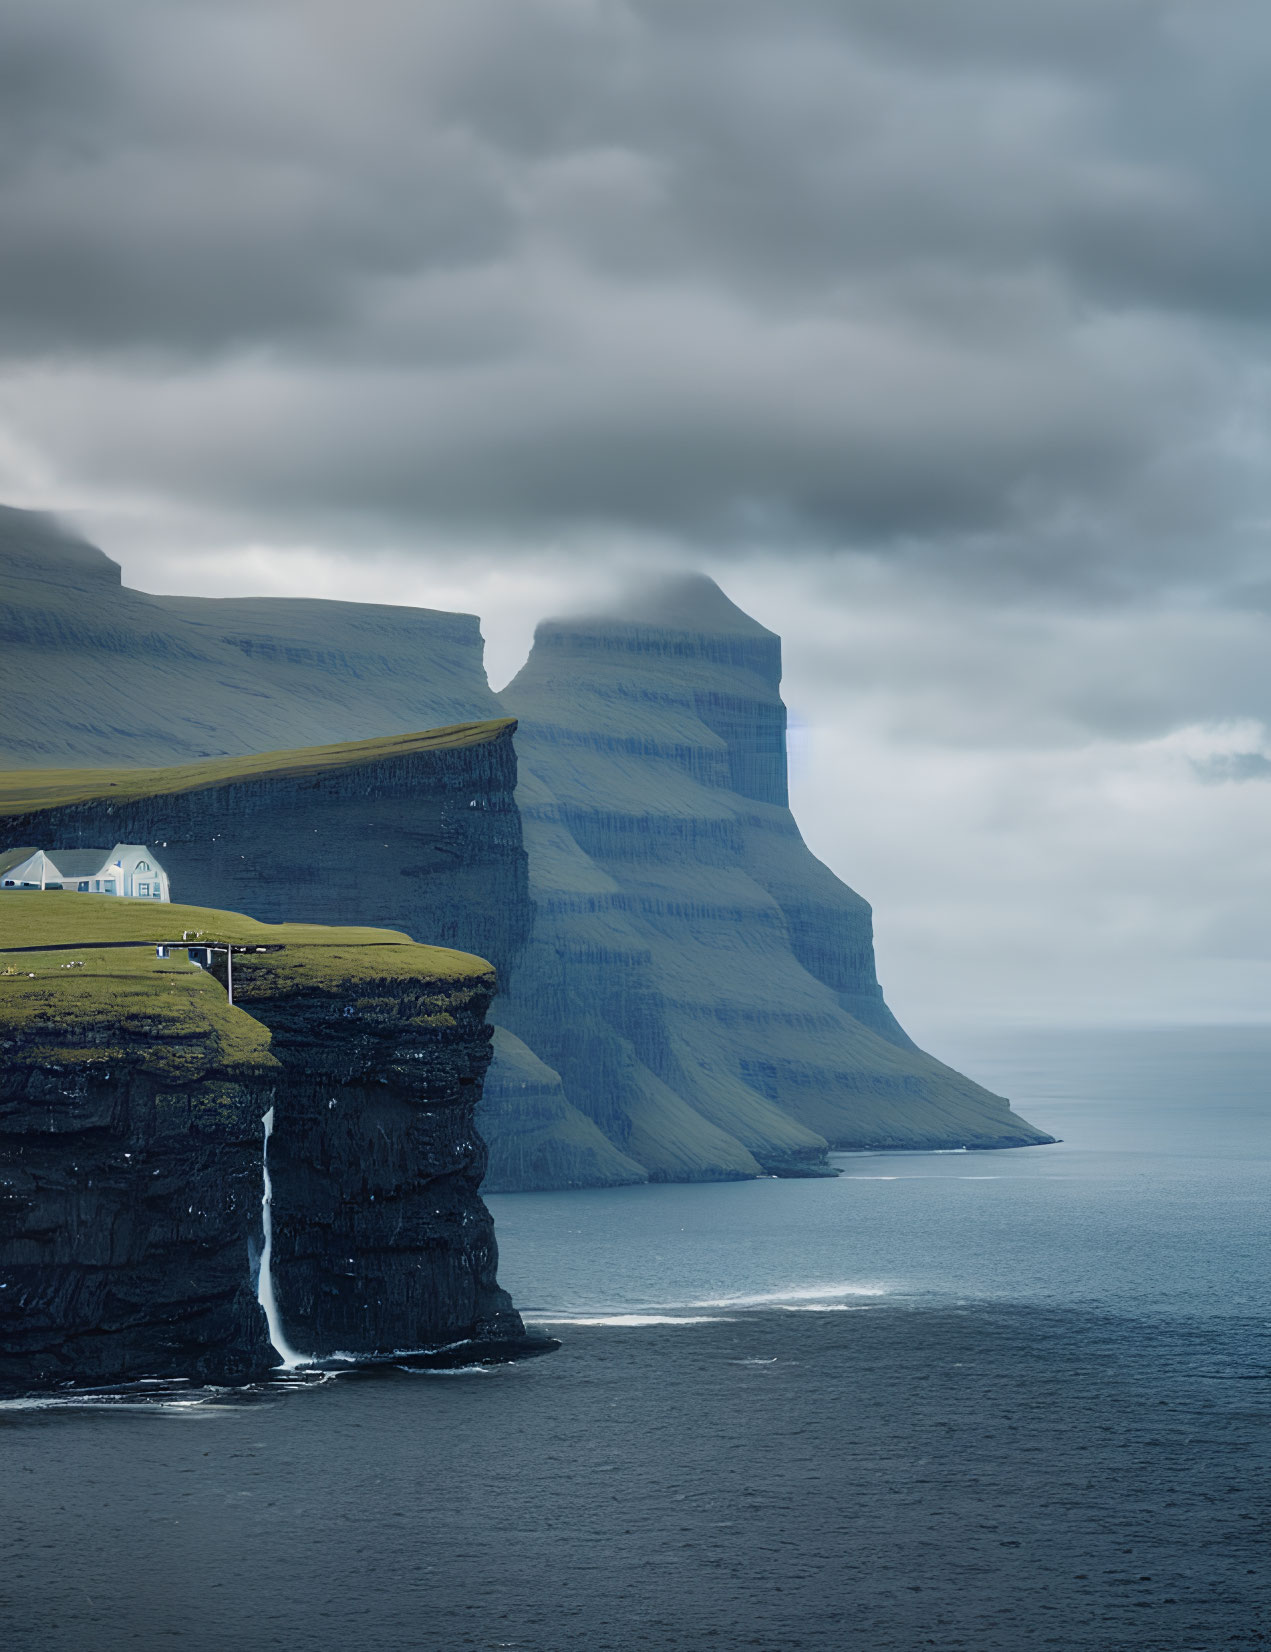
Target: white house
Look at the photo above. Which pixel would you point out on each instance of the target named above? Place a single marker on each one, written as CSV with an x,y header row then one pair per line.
x,y
127,869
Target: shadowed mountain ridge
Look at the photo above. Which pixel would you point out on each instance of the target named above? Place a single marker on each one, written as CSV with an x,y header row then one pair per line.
x,y
730,972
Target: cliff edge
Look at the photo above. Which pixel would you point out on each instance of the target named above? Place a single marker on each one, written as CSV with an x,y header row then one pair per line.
x,y
133,1101
732,1021
687,992
93,672
417,831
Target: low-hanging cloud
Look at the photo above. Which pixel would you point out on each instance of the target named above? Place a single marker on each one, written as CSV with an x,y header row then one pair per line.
x,y
982,287
937,332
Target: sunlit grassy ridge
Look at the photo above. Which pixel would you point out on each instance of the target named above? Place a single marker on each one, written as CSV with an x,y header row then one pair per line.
x,y
25,791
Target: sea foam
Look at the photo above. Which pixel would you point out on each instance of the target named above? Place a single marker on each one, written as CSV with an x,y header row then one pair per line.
x,y
630,1320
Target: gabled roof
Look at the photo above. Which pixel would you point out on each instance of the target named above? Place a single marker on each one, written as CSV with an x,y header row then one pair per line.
x,y
15,857
76,863
80,863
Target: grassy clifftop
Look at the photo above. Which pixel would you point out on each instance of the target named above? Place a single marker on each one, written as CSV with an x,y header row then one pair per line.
x,y
98,978
26,791
133,1100
171,1017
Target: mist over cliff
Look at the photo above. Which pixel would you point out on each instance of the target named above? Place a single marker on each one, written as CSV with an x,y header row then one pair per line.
x,y
732,1021
93,673
686,992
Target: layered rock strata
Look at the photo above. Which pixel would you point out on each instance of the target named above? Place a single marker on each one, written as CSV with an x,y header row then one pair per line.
x,y
93,672
537,1139
731,1020
132,1137
696,997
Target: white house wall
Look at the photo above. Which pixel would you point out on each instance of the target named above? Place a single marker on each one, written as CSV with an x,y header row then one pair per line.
x,y
122,869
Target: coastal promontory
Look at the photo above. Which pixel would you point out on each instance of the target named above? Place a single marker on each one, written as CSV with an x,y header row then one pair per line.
x,y
143,1116
685,992
724,1013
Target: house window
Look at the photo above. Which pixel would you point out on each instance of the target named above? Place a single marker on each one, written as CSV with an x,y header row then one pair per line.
x,y
156,893
97,886
110,886
83,889
144,889
143,866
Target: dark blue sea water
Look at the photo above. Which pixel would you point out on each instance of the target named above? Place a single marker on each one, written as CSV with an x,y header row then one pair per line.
x,y
979,1402
1156,1200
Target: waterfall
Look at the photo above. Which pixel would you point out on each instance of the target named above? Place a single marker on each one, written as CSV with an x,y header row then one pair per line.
x,y
265,1283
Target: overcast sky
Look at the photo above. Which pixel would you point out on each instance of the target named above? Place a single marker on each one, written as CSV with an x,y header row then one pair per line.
x,y
937,333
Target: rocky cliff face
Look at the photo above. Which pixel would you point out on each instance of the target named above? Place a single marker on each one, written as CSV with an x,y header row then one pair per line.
x,y
380,1241
696,996
131,1147
92,672
131,1098
417,832
732,1020
537,1138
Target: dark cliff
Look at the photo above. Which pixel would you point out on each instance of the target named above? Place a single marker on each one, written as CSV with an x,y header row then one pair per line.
x,y
420,832
416,832
380,1242
131,1099
695,996
732,1019
132,1146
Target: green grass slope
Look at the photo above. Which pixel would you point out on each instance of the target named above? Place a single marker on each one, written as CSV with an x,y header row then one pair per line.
x,y
27,791
171,1017
315,955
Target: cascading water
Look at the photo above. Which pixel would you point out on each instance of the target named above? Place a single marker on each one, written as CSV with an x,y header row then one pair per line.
x,y
265,1283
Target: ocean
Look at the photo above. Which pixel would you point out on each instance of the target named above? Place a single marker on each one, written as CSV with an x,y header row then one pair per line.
x,y
958,1400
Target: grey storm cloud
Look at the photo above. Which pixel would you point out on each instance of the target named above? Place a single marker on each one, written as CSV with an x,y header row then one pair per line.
x,y
1234,766
936,330
982,285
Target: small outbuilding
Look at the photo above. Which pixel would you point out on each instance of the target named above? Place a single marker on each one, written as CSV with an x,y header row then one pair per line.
x,y
128,869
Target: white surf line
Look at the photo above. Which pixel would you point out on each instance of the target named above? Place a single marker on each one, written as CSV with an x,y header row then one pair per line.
x,y
793,1293
265,1283
634,1320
